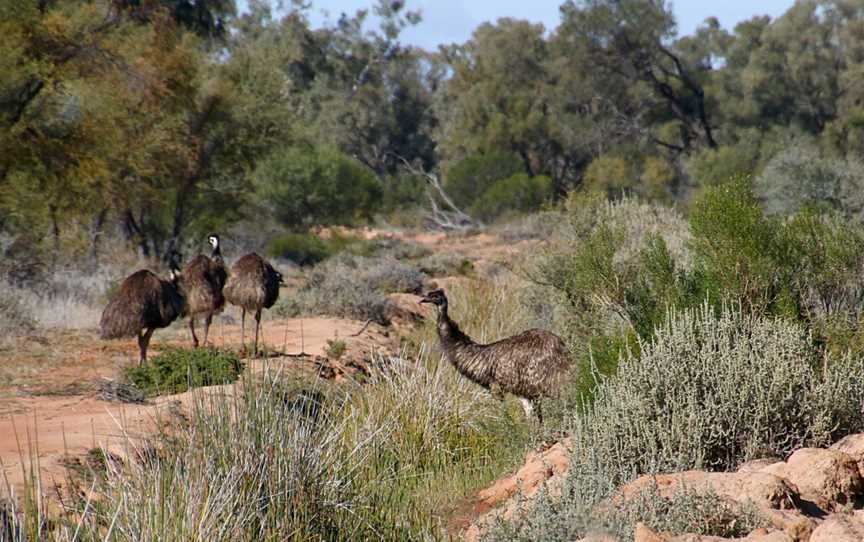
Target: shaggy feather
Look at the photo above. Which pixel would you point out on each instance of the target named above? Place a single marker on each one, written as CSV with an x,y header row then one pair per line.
x,y
528,365
253,283
202,283
144,301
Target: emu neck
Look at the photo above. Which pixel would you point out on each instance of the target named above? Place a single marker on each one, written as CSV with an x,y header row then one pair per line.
x,y
216,254
465,355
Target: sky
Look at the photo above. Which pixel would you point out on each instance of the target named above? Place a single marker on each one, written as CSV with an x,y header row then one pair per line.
x,y
452,21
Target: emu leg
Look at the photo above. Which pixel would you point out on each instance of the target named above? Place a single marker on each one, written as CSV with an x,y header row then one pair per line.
x,y
192,328
538,408
143,342
257,325
207,321
243,330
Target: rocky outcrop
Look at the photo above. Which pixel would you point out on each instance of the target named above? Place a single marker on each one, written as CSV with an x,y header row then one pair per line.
x,y
816,495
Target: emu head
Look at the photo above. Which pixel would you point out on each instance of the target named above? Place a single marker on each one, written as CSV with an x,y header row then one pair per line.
x,y
213,239
279,278
435,297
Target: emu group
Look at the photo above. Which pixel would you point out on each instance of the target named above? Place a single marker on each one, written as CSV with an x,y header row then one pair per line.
x,y
145,302
530,365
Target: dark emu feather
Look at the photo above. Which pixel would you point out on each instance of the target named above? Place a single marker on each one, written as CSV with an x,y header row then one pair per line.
x,y
143,303
530,365
252,285
202,281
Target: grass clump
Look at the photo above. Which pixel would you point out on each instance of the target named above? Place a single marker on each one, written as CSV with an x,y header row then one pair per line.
x,y
176,370
285,458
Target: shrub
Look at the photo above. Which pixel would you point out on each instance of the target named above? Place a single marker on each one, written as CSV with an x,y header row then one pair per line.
x,y
799,176
14,315
176,370
300,248
710,391
516,194
610,174
469,178
352,287
685,512
308,187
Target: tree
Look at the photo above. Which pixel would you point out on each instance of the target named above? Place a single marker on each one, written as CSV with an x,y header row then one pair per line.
x,y
306,187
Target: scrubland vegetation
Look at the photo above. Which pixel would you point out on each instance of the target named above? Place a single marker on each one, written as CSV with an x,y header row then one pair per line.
x,y
693,212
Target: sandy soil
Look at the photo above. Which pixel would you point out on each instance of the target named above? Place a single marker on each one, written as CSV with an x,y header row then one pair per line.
x,y
51,413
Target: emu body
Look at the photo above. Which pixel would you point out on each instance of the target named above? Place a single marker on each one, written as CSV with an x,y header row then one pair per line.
x,y
529,365
202,283
252,285
143,304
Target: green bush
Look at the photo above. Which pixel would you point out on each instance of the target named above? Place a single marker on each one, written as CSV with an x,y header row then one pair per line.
x,y
176,370
300,248
308,187
516,194
710,391
469,178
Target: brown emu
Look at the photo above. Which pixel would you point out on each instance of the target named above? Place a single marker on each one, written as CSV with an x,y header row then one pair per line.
x,y
252,285
143,304
529,365
202,283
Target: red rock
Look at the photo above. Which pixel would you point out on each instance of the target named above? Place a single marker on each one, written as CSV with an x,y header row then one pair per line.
x,y
829,478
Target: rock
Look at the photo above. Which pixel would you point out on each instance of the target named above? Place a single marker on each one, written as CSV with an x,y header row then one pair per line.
x,y
838,528
756,465
853,446
643,533
763,489
828,478
792,522
505,497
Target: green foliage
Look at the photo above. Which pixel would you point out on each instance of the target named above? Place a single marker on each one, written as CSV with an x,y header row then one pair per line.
x,y
309,187
300,460
335,348
763,390
737,248
517,194
176,370
611,174
300,248
472,176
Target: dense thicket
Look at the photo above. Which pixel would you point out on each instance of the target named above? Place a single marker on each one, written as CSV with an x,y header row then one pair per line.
x,y
157,120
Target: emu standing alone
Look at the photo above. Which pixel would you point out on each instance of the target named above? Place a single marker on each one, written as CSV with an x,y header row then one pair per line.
x,y
529,365
202,283
143,303
252,285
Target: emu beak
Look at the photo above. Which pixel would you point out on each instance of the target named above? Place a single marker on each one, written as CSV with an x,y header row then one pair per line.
x,y
425,299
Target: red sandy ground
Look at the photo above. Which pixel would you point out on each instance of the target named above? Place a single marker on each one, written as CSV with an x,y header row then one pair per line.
x,y
54,414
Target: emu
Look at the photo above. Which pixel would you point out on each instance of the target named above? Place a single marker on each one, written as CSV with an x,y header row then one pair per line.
x,y
529,365
252,285
202,283
143,304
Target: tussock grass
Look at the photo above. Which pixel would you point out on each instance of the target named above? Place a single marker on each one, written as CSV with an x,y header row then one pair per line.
x,y
273,459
